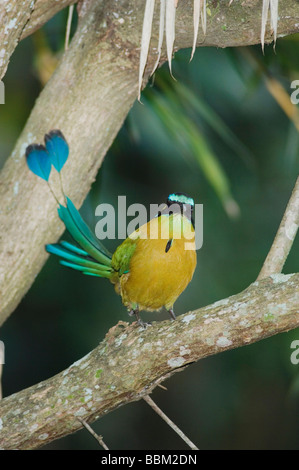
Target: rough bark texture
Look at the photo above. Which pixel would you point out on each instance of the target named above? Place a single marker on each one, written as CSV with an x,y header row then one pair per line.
x,y
102,380
43,10
12,23
17,22
88,98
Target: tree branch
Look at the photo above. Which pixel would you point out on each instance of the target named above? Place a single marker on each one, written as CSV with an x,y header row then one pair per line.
x,y
17,21
88,97
98,438
102,381
170,423
284,238
43,11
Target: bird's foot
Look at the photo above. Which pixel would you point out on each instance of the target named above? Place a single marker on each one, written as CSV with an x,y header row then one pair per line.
x,y
139,321
144,324
172,314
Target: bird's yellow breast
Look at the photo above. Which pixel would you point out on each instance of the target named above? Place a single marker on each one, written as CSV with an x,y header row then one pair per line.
x,y
157,277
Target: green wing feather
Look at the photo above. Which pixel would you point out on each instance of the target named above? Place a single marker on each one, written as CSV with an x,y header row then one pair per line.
x,y
122,256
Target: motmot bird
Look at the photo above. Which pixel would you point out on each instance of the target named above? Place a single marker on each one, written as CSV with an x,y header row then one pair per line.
x,y
148,270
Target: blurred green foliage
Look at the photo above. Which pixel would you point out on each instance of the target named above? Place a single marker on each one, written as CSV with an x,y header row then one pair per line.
x,y
217,134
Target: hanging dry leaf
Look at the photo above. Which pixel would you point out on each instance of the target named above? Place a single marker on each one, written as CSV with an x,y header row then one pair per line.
x,y
274,17
146,38
170,29
167,23
161,32
199,10
266,5
271,5
196,17
204,16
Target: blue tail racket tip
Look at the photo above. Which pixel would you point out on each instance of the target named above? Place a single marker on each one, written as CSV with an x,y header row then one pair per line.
x,y
57,148
40,158
38,161
91,258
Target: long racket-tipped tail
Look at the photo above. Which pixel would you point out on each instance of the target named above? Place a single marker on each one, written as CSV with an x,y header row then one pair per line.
x,y
75,258
92,258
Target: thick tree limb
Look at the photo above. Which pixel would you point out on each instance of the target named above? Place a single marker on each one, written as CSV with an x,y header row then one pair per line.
x,y
88,97
284,238
102,380
16,23
12,23
43,11
19,19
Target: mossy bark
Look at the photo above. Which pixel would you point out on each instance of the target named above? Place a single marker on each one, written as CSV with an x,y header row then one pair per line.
x,y
102,381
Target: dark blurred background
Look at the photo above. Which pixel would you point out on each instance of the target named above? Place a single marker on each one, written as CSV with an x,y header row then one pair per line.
x,y
220,135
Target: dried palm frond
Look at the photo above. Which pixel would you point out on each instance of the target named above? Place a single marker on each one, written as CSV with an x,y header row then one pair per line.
x,y
146,38
170,29
161,33
199,10
271,5
167,25
274,17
